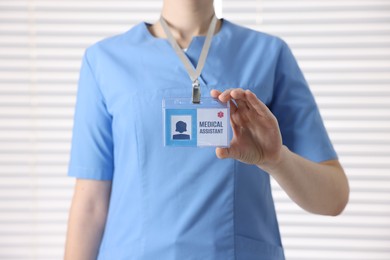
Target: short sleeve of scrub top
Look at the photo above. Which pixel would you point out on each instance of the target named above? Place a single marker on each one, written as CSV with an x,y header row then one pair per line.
x,y
298,115
92,146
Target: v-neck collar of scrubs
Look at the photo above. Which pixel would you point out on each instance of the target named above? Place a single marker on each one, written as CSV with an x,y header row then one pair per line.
x,y
195,39
195,46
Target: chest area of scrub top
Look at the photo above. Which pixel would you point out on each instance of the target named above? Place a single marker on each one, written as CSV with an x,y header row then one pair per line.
x,y
153,70
228,65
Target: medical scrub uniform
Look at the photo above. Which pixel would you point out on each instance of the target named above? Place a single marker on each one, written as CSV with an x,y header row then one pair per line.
x,y
185,203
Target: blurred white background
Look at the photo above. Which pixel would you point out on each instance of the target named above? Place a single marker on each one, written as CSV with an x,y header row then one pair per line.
x,y
343,47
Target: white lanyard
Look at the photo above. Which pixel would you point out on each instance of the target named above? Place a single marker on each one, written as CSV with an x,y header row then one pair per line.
x,y
193,73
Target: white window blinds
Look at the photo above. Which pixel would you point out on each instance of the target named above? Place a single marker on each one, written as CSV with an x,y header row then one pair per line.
x,y
343,47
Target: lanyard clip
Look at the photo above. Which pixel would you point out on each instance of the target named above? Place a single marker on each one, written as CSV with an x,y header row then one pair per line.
x,y
196,92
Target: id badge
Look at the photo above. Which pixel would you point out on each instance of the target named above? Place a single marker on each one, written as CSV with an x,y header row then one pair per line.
x,y
196,125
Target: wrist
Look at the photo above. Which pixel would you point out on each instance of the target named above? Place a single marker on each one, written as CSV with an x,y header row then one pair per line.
x,y
277,164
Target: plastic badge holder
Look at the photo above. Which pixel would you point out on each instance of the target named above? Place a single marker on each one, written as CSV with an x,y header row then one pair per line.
x,y
196,125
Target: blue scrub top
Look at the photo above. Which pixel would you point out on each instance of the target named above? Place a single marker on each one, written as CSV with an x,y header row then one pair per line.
x,y
184,203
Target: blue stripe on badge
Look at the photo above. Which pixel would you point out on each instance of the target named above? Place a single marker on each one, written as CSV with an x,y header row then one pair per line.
x,y
178,134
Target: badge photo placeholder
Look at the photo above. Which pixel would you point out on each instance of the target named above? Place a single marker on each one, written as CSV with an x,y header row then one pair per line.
x,y
179,126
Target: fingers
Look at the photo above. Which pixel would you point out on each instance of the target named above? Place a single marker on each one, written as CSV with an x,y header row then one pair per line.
x,y
215,93
255,104
241,97
238,95
221,153
245,100
248,99
228,94
224,97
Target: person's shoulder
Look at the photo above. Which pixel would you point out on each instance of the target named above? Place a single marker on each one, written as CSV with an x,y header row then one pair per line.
x,y
243,33
133,36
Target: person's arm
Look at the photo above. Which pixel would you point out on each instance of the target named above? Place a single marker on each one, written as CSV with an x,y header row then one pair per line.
x,y
87,219
320,188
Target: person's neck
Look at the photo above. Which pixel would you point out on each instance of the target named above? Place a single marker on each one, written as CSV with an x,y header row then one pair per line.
x,y
186,18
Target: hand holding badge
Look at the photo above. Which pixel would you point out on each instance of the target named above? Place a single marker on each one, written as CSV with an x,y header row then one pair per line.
x,y
256,135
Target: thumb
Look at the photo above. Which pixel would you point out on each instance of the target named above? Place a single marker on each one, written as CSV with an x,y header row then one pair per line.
x,y
223,153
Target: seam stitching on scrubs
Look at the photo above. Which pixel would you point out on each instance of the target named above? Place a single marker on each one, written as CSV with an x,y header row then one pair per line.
x,y
143,191
276,74
94,77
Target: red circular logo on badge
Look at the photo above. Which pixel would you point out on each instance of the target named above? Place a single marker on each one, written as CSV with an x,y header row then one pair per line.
x,y
220,114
